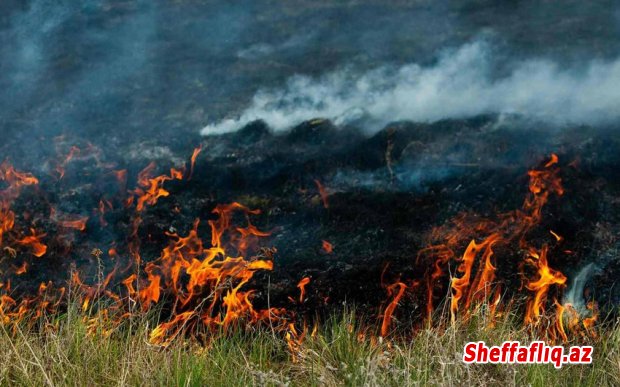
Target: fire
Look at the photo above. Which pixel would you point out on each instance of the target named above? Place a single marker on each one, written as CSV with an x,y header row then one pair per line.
x,y
151,189
60,168
512,226
555,235
302,288
213,293
166,332
397,290
33,242
463,287
21,269
7,222
323,193
294,341
193,161
15,180
475,282
206,280
150,293
206,274
569,320
327,247
588,323
442,255
547,278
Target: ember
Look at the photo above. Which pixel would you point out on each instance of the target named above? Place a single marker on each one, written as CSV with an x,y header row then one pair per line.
x,y
327,247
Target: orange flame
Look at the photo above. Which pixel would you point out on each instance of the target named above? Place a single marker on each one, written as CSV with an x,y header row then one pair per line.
x,y
397,290
555,235
302,288
208,278
60,168
480,286
322,192
193,161
34,243
213,291
547,278
477,272
328,247
149,189
7,222
21,269
15,180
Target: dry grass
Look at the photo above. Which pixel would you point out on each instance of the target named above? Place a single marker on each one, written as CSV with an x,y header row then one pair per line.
x,y
69,355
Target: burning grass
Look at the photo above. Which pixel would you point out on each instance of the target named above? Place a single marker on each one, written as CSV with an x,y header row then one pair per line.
x,y
64,350
198,309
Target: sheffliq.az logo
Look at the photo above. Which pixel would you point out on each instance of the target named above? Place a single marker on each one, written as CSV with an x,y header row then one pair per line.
x,y
512,352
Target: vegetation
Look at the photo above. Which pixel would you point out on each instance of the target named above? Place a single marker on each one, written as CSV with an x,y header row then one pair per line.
x,y
67,351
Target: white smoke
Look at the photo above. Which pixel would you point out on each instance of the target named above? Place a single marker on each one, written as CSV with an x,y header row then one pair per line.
x,y
574,295
460,85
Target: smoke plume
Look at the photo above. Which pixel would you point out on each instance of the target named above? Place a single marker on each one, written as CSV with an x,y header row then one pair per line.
x,y
461,84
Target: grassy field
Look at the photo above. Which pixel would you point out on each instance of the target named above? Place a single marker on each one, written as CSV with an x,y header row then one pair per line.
x,y
70,354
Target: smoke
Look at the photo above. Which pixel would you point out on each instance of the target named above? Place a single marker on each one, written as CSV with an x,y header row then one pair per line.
x,y
69,64
264,50
574,295
461,84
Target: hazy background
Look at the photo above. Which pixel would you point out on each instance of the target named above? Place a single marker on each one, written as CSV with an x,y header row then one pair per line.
x,y
158,70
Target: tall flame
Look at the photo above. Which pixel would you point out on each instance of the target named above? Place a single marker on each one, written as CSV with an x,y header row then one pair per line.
x,y
302,288
396,290
475,280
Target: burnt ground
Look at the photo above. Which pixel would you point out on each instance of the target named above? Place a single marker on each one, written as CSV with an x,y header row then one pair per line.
x,y
386,193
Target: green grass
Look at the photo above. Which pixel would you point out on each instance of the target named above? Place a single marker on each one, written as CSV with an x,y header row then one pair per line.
x,y
70,355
